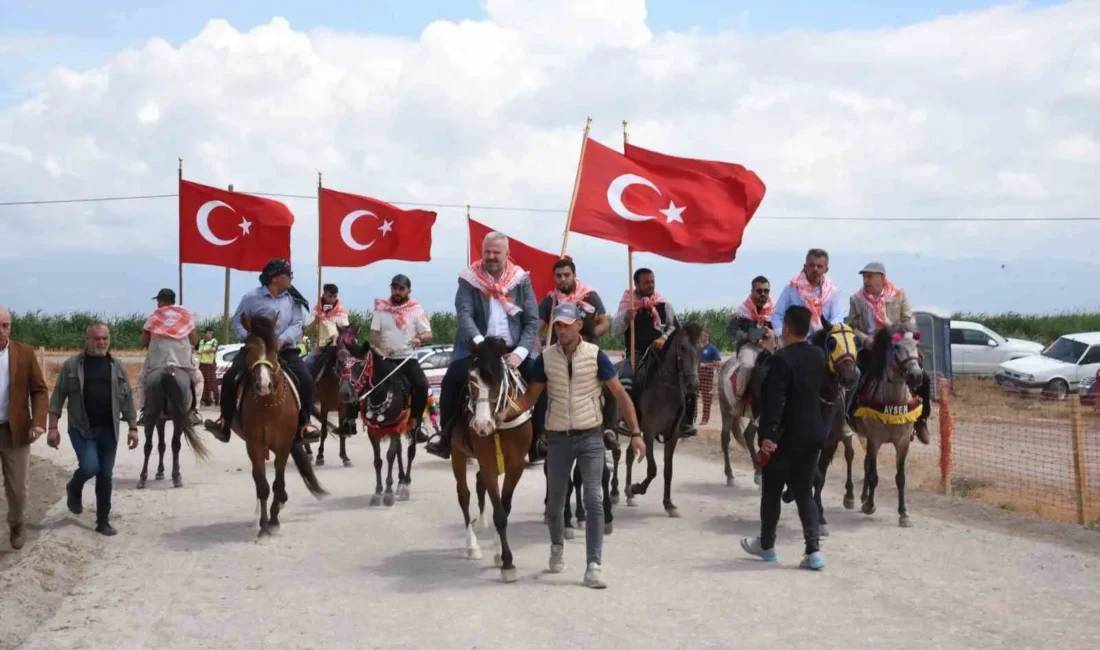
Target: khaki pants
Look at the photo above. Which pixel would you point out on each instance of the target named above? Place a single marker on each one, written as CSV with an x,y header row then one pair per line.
x,y
746,357
14,461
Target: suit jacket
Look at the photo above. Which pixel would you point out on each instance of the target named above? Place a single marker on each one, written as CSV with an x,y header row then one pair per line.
x,y
472,311
28,395
898,312
792,398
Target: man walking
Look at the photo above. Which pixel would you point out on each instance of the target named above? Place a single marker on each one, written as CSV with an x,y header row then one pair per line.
x,y
208,359
23,403
574,373
97,392
398,328
792,434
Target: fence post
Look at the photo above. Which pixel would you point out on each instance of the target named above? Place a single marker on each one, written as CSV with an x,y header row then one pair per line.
x,y
1079,473
947,430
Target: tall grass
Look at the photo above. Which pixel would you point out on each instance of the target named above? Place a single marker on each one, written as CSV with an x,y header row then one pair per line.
x,y
66,331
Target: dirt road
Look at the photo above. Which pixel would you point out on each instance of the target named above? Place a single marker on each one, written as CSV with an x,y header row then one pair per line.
x,y
186,571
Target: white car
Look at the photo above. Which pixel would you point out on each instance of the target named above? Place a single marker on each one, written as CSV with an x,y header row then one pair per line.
x,y
978,350
1058,370
223,358
434,359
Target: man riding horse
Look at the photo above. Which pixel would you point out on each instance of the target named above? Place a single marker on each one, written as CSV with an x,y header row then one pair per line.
x,y
811,289
170,337
329,317
494,298
400,326
751,323
654,321
881,304
275,297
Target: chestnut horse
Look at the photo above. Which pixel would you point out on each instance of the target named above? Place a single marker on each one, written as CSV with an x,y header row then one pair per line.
x,y
268,419
327,395
490,387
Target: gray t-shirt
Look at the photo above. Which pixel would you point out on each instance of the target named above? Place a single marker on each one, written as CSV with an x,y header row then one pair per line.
x,y
396,341
164,352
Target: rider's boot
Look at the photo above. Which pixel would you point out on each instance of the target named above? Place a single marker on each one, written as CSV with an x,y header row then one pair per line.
x,y
441,445
687,422
920,428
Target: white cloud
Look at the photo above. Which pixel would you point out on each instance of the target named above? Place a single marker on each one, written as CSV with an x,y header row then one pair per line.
x,y
986,114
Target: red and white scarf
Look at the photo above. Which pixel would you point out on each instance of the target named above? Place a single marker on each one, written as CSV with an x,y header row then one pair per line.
x,y
580,292
815,303
878,303
171,321
761,316
332,314
641,303
481,280
400,313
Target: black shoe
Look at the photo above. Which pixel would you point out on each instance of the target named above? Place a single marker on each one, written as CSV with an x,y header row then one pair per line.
x,y
440,447
921,430
105,529
73,501
309,433
218,429
610,440
688,430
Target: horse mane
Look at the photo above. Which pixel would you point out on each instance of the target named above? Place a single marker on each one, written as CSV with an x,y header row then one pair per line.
x,y
487,360
880,351
263,328
691,329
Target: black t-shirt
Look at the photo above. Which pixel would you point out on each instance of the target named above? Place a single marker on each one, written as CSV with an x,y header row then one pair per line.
x,y
97,391
593,299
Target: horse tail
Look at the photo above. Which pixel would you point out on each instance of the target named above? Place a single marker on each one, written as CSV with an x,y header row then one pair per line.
x,y
305,470
174,398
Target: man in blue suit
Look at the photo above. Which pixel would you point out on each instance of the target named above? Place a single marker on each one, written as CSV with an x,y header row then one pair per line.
x,y
494,298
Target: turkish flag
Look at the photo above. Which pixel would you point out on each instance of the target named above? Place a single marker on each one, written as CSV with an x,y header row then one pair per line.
x,y
538,263
231,229
723,171
664,205
358,230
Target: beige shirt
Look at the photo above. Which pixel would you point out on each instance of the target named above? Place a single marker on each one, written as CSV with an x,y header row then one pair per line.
x,y
328,329
164,352
396,342
861,316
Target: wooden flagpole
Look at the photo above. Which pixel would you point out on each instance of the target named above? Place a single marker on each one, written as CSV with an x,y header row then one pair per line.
x,y
576,186
320,240
179,252
630,273
468,241
225,305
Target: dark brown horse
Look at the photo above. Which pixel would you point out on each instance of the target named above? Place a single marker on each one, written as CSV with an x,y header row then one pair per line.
x,y
268,419
168,397
663,379
490,387
327,394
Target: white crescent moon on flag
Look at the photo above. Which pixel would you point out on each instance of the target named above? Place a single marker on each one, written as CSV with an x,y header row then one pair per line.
x,y
202,219
345,230
615,195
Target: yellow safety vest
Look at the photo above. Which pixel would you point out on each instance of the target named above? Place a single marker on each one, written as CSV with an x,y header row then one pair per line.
x,y
208,351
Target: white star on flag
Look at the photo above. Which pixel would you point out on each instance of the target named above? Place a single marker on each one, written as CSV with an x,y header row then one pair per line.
x,y
672,213
245,225
386,227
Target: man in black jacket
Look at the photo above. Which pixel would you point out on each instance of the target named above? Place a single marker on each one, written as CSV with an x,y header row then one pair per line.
x,y
792,434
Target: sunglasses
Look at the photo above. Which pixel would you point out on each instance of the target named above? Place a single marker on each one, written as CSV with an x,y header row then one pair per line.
x,y
762,292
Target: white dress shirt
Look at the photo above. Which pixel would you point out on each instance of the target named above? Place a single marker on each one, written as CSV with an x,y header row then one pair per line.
x,y
498,327
5,382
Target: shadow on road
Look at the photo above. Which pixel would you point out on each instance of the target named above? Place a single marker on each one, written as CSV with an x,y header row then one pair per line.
x,y
192,538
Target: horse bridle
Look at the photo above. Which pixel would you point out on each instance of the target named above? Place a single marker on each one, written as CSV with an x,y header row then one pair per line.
x,y
504,391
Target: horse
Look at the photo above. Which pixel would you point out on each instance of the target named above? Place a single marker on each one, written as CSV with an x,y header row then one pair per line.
x,y
327,395
268,419
734,409
499,449
887,406
384,408
661,382
168,397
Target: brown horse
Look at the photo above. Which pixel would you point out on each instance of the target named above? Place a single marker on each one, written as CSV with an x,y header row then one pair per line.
x,y
268,419
327,394
490,387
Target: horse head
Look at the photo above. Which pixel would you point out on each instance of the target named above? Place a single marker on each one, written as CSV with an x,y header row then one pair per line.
x,y
839,342
261,353
682,349
895,352
487,381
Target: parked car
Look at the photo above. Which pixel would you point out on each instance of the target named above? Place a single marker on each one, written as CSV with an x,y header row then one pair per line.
x,y
978,350
224,357
1089,390
1058,370
434,360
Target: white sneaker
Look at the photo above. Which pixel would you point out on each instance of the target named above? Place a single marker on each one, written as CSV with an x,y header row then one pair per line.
x,y
557,558
592,577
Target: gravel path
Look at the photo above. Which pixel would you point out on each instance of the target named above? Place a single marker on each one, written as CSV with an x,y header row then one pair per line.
x,y
186,571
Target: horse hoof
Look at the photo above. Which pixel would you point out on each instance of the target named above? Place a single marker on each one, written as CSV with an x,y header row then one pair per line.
x,y
630,502
868,509
756,477
608,528
904,522
570,533
320,461
672,511
580,520
376,500
387,500
849,503
347,463
141,484
177,481
498,561
823,531
473,554
508,575
159,476
729,481
264,532
614,499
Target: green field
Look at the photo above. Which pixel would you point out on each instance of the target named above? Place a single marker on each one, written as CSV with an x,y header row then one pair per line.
x,y
66,331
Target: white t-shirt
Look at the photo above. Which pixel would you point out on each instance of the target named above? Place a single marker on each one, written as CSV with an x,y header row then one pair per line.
x,y
398,340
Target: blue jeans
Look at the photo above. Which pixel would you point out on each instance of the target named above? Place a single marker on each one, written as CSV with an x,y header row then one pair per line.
x,y
587,449
95,456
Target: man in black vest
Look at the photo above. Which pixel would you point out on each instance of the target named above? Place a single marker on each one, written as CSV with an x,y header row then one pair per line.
x,y
654,321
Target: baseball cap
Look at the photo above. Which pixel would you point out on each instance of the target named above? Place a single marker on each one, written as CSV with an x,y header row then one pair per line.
x,y
401,280
874,267
567,313
166,294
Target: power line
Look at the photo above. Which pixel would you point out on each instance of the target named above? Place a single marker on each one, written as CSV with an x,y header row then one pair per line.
x,y
140,197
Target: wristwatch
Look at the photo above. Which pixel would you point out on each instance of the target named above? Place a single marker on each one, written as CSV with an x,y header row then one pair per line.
x,y
635,434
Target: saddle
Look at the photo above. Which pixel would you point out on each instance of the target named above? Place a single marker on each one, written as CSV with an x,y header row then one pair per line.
x,y
635,383
292,382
